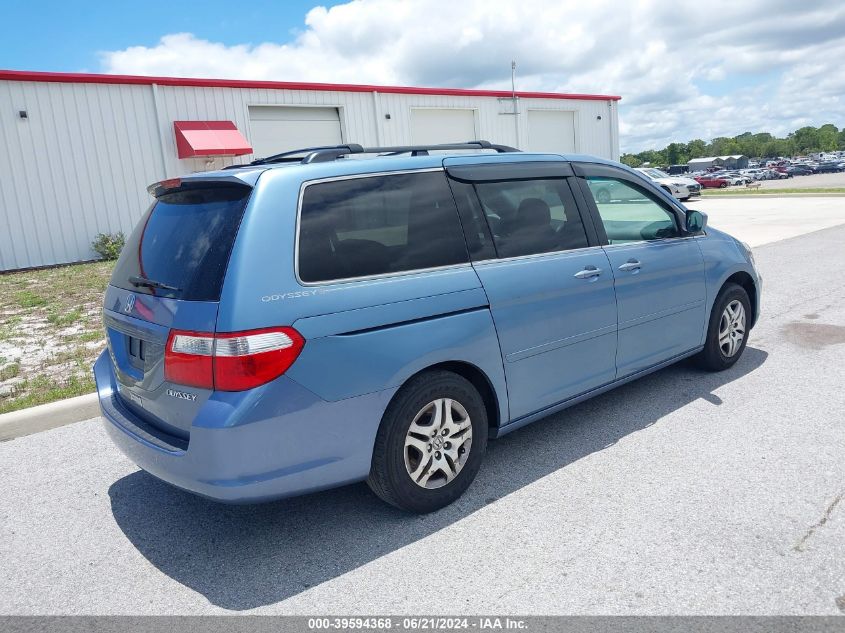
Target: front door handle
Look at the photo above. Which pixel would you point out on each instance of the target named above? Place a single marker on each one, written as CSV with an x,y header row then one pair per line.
x,y
590,272
631,264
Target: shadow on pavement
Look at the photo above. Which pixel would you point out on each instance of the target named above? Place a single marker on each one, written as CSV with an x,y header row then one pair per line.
x,y
243,557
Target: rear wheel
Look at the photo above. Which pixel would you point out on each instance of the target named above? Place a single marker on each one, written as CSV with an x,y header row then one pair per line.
x,y
430,444
603,196
727,332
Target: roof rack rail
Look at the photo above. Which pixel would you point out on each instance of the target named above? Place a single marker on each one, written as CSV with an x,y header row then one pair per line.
x,y
329,153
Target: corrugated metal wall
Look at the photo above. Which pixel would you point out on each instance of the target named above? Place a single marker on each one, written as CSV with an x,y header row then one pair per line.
x,y
80,162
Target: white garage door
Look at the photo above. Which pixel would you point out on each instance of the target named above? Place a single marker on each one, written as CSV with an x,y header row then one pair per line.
x,y
430,126
551,131
276,129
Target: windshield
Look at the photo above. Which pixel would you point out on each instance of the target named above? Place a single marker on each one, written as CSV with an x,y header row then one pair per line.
x,y
654,173
181,247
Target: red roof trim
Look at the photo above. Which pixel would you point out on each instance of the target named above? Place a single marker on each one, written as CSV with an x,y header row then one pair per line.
x,y
88,78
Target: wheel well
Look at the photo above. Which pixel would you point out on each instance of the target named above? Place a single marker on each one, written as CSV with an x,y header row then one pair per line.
x,y
745,280
480,381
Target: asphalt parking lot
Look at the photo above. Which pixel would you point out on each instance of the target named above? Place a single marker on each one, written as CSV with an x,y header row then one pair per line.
x,y
762,220
682,493
806,182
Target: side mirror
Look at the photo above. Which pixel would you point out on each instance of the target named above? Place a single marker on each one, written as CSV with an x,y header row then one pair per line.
x,y
696,221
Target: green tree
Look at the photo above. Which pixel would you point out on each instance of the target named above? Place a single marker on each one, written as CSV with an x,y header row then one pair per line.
x,y
754,145
696,148
806,139
828,137
674,153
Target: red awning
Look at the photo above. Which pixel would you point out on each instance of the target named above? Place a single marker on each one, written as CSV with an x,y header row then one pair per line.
x,y
209,138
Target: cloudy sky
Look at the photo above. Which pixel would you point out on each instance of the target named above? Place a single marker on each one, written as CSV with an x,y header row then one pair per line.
x,y
684,69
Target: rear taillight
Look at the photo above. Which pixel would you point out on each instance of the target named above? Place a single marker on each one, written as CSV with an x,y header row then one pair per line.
x,y
189,359
230,361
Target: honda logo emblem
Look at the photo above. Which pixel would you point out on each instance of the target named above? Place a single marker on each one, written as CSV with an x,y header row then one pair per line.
x,y
130,303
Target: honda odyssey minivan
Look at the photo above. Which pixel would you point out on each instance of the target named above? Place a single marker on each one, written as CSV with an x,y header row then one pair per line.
x,y
310,320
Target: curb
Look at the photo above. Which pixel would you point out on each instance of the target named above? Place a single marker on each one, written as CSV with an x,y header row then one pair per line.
x,y
48,416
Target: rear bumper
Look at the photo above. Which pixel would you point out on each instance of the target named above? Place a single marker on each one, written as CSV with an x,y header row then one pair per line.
x,y
276,441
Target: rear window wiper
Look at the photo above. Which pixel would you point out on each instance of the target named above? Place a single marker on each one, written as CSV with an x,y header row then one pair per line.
x,y
151,283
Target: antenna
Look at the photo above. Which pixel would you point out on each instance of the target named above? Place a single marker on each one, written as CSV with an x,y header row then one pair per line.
x,y
514,100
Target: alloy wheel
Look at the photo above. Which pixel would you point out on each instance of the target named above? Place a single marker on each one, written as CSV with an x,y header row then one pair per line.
x,y
438,443
732,328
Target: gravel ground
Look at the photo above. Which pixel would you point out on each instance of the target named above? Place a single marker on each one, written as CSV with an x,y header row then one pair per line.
x,y
682,493
50,333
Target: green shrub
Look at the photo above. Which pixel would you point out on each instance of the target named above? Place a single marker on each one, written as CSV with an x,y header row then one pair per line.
x,y
108,245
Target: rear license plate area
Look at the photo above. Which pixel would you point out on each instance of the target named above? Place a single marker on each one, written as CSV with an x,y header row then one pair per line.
x,y
136,352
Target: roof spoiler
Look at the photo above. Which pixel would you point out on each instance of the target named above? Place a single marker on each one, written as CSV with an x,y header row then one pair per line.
x,y
200,180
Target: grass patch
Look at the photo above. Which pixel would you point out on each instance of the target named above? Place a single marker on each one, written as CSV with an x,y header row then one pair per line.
x,y
42,389
62,319
10,371
28,299
791,191
90,337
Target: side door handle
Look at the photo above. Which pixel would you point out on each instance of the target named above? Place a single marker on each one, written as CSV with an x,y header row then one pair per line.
x,y
631,264
590,272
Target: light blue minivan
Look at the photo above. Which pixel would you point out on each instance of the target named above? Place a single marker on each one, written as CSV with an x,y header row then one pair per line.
x,y
340,314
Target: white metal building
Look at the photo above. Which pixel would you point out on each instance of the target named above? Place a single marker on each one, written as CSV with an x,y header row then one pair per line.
x,y
733,161
78,150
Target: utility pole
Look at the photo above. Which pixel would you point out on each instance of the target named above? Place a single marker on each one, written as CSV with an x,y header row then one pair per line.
x,y
515,102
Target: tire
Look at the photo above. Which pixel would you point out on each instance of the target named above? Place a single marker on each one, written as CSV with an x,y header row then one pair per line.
x,y
722,185
715,356
603,196
398,452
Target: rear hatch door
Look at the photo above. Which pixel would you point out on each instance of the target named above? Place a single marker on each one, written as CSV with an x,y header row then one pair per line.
x,y
169,277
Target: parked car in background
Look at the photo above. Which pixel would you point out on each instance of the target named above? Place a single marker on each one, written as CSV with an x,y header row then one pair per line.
x,y
799,170
712,182
379,319
827,168
680,187
733,178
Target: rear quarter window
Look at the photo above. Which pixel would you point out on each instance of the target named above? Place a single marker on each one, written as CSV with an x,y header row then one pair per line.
x,y
378,225
184,241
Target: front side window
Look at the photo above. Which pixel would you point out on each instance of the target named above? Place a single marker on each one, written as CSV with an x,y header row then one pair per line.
x,y
531,216
378,225
629,214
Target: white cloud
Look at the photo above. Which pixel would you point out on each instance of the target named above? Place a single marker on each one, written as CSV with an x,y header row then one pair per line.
x,y
684,71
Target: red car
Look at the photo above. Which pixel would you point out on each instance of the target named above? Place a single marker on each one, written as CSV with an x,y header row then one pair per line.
x,y
710,182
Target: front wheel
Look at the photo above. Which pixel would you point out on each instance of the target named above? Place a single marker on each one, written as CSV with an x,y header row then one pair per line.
x,y
430,444
727,332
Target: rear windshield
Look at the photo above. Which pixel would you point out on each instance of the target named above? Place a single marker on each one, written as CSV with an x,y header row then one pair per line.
x,y
184,242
